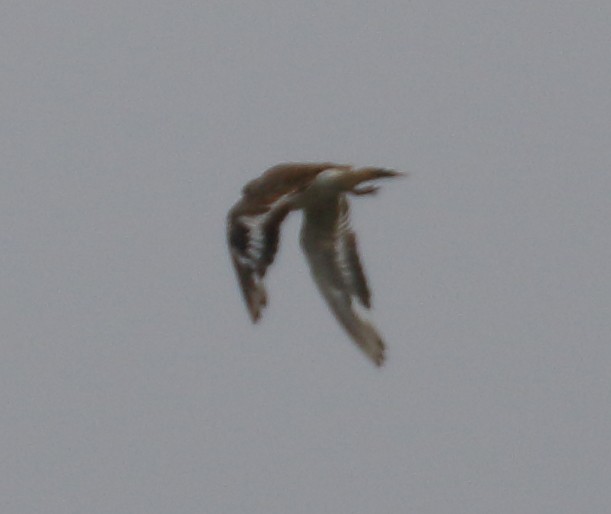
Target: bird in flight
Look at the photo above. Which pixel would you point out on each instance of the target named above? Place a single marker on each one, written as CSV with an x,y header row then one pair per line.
x,y
321,191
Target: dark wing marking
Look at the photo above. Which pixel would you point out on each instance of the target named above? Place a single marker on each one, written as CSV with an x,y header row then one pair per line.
x,y
348,258
271,235
253,235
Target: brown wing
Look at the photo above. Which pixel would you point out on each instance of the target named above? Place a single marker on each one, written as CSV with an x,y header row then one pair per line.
x,y
253,225
253,242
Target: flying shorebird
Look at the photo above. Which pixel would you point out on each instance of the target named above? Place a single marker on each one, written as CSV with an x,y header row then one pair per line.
x,y
320,190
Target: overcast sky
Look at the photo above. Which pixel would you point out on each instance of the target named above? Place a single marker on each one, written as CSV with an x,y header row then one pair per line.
x,y
131,378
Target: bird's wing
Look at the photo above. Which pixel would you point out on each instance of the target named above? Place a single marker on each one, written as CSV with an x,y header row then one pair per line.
x,y
253,225
335,265
253,233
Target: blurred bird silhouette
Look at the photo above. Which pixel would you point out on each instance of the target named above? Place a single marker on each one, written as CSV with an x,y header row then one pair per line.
x,y
328,241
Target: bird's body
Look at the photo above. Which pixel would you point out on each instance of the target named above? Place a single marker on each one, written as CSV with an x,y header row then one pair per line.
x,y
320,190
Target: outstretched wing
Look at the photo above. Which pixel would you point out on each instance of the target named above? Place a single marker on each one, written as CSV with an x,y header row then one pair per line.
x,y
253,225
330,247
253,243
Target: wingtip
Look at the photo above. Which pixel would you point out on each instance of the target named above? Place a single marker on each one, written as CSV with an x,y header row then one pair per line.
x,y
254,316
371,343
379,362
375,173
256,301
380,356
396,173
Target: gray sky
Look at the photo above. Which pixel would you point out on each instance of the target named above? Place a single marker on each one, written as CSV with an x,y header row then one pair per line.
x,y
131,379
